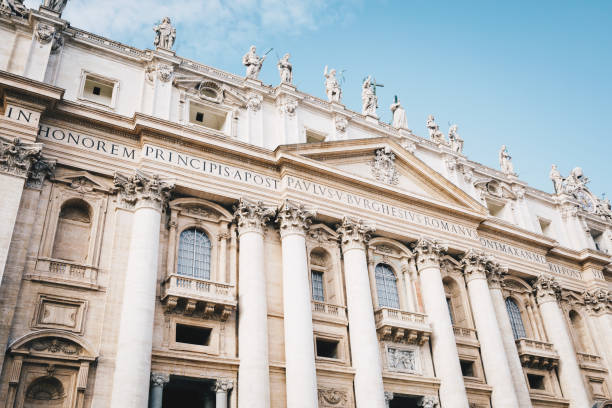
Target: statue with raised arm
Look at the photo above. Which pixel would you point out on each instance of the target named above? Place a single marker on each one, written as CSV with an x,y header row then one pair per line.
x,y
435,134
332,86
557,179
369,100
56,5
14,7
285,69
399,115
252,63
456,142
165,34
505,161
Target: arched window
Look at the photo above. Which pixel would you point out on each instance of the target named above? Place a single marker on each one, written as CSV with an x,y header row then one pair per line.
x,y
73,229
386,286
194,254
514,313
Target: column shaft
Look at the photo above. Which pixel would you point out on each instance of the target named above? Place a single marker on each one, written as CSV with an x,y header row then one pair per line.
x,y
301,376
221,399
12,187
516,368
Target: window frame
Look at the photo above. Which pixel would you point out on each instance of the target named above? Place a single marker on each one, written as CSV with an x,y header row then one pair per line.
x,y
210,253
85,74
513,316
385,286
314,269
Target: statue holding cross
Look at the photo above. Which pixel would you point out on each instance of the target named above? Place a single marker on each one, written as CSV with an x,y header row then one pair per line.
x,y
369,100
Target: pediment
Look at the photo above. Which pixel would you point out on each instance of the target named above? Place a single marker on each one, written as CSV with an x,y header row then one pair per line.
x,y
83,181
384,163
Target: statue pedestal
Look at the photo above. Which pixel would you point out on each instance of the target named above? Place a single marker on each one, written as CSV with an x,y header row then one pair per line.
x,y
253,82
164,51
372,119
49,13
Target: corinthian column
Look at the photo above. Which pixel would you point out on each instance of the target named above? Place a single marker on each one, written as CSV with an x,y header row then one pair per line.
x,y
221,388
443,345
494,361
158,382
147,195
548,293
495,277
253,373
599,304
369,390
301,375
16,159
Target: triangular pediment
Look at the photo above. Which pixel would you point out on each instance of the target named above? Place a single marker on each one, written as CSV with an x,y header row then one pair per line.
x,y
83,181
385,163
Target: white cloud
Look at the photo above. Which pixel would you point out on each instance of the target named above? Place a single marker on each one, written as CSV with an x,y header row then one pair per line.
x,y
203,25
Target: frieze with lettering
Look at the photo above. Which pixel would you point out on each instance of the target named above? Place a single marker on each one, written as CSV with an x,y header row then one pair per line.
x,y
18,114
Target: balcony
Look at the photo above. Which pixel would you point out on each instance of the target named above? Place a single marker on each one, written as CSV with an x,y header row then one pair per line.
x,y
401,327
537,354
589,361
65,272
465,335
326,312
198,297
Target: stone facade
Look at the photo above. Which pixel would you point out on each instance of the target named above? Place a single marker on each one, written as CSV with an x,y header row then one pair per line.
x,y
164,243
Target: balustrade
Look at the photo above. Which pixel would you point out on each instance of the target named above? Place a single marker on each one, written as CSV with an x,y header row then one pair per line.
x,y
537,354
329,311
65,272
401,326
194,295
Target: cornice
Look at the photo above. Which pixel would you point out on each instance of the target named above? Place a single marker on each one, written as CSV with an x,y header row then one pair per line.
x,y
21,84
498,226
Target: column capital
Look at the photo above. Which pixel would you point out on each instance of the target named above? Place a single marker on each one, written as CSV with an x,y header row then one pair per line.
x,y
546,289
354,233
429,401
496,273
223,385
388,397
598,301
40,169
428,253
159,379
474,264
143,190
251,217
293,218
16,157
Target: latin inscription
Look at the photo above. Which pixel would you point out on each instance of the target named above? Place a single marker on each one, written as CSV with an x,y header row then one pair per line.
x,y
379,207
21,115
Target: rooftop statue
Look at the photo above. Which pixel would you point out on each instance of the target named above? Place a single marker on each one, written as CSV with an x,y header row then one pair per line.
x,y
285,69
165,34
332,86
369,101
399,115
557,179
252,63
505,161
13,6
456,142
434,131
56,5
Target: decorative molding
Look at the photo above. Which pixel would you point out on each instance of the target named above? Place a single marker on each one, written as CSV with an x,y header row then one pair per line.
x,y
496,274
141,189
546,289
429,253
44,33
598,301
383,167
293,218
287,106
474,264
55,345
354,233
403,359
251,217
429,401
40,169
333,398
341,123
254,102
17,158
223,385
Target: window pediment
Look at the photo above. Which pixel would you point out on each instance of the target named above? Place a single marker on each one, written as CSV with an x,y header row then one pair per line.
x,y
53,344
200,209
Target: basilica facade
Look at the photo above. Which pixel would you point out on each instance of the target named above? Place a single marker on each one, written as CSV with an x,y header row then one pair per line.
x,y
175,235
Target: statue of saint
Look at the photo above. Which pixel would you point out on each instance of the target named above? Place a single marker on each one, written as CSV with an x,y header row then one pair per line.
x,y
252,63
285,69
165,34
399,115
456,142
434,131
505,161
332,86
556,178
369,100
56,5
13,6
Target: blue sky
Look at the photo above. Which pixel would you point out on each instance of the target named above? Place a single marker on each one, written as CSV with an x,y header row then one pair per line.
x,y
534,75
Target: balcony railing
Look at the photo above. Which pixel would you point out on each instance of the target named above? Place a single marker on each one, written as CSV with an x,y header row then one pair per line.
x,y
537,354
465,334
65,272
589,360
327,310
401,326
198,296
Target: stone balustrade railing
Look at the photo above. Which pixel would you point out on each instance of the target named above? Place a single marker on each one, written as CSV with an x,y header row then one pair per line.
x,y
335,311
65,272
401,326
589,359
537,354
198,296
465,333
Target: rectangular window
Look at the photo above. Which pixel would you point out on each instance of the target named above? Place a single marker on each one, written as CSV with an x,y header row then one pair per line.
x,y
450,310
536,382
99,90
209,117
317,286
327,348
313,136
467,368
199,336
